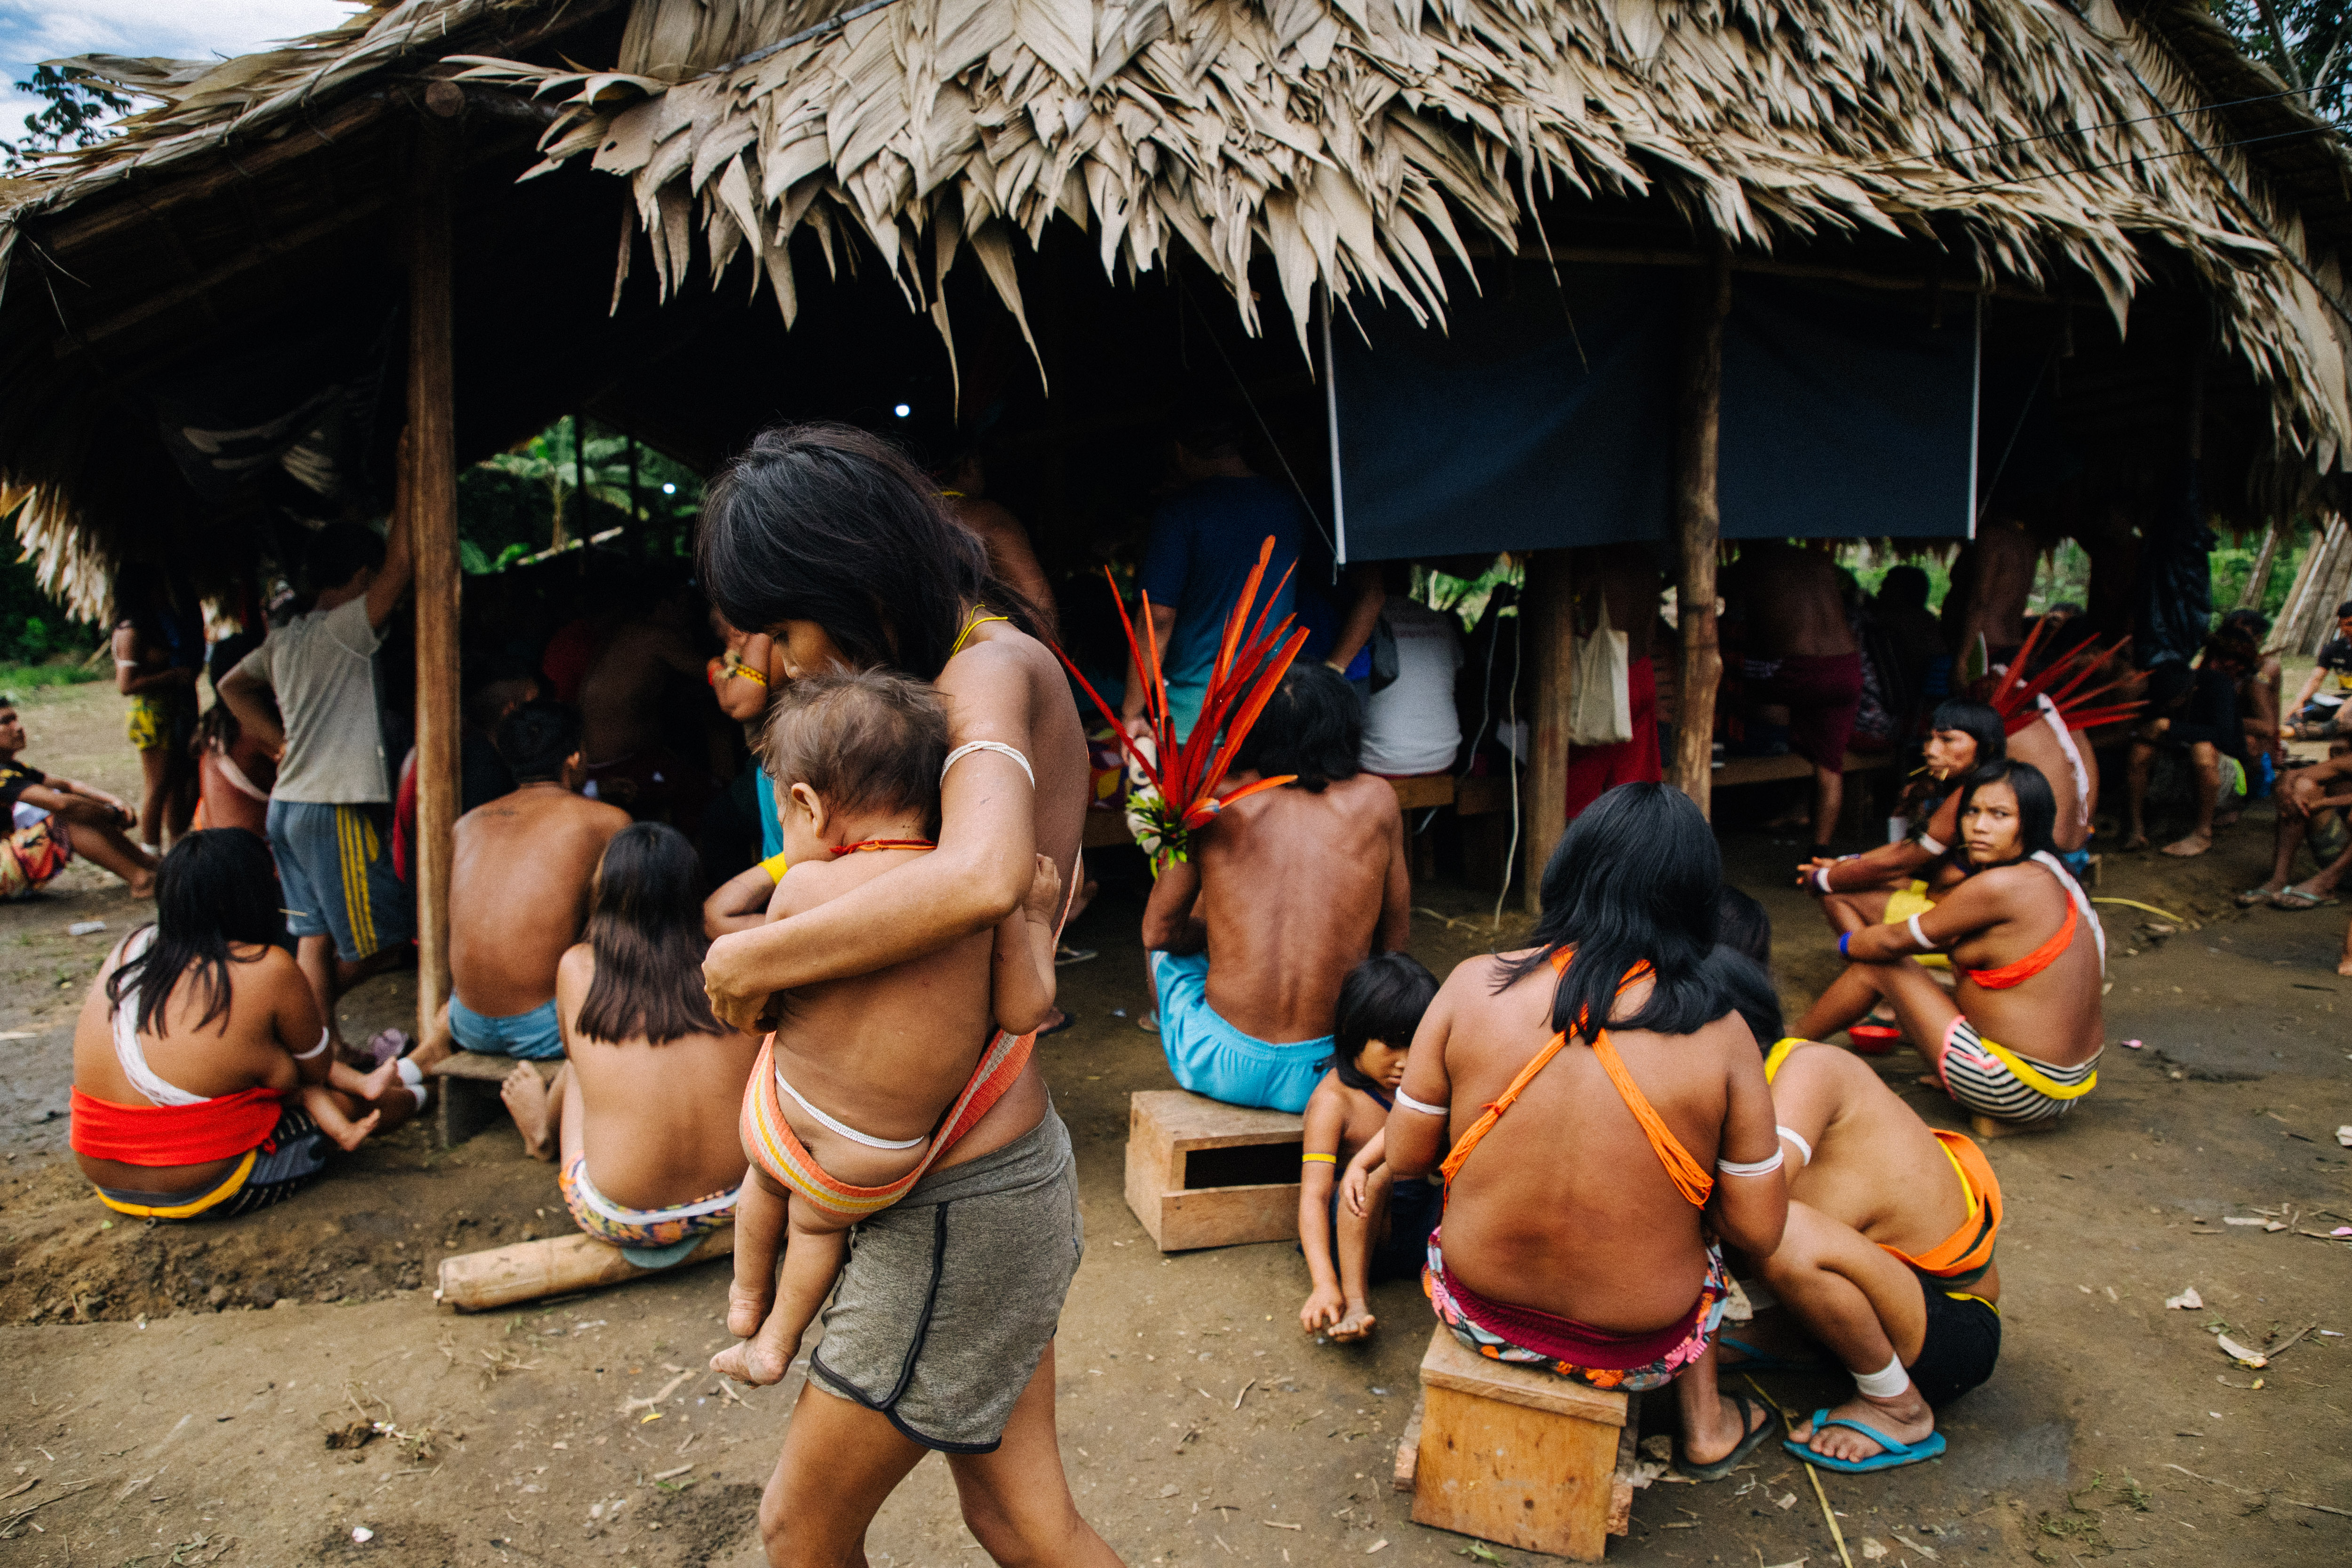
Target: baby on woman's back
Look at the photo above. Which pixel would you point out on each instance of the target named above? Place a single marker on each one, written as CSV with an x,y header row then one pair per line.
x,y
867,1081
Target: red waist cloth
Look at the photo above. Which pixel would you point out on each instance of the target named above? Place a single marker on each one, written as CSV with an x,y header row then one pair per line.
x,y
174,1134
1565,1339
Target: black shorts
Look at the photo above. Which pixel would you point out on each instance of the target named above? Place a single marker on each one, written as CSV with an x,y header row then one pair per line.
x,y
1962,1343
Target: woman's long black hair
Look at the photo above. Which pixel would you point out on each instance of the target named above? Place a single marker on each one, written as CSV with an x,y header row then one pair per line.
x,y
833,525
645,926
216,887
2037,807
1637,877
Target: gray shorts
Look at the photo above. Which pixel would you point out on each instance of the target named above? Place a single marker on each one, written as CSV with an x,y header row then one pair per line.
x,y
952,1295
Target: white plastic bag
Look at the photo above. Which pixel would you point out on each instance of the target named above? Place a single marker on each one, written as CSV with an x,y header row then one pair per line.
x,y
1599,692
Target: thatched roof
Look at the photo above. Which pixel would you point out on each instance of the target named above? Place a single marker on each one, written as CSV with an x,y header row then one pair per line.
x,y
1363,144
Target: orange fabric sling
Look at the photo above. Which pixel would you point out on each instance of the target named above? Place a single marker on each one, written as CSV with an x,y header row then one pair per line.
x,y
1968,1250
1691,1179
159,1135
2033,963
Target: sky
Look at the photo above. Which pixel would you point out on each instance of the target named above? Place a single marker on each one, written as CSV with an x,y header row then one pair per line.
x,y
32,31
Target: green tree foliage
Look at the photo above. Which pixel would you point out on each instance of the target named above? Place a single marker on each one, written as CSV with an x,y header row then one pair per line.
x,y
80,107
2305,41
523,502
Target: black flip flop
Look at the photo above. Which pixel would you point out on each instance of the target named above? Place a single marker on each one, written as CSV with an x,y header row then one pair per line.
x,y
1748,1444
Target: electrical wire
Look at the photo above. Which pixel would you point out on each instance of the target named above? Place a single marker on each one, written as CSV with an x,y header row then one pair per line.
x,y
1511,719
2191,151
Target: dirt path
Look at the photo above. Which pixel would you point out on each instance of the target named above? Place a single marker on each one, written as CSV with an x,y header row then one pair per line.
x,y
191,1421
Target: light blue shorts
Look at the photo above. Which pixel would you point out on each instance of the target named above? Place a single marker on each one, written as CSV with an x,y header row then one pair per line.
x,y
534,1035
1210,1056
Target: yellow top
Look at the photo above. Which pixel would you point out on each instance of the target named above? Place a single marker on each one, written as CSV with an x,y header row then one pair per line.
x,y
774,865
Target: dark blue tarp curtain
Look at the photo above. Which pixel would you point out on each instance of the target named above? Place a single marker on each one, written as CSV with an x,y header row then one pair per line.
x,y
1542,419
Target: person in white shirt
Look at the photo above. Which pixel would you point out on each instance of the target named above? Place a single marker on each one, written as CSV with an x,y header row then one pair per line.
x,y
1411,725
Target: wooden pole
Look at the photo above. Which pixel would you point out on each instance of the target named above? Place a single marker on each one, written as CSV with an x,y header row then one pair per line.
x,y
1550,630
1698,523
432,536
2251,597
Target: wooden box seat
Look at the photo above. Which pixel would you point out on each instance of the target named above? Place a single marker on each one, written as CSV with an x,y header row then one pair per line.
x,y
467,1099
1518,1456
1204,1174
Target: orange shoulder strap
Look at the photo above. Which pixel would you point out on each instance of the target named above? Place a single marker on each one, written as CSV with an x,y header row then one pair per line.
x,y
1971,1246
2033,963
1691,1179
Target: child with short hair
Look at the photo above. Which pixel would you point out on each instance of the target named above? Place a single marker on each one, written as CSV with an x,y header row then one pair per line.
x,y
865,1082
1370,1224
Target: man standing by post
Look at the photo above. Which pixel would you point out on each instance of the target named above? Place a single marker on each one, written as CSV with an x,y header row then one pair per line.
x,y
1204,540
1801,654
331,809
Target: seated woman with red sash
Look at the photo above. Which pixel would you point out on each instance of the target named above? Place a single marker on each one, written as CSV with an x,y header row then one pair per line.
x,y
1604,1156
202,1072
2029,956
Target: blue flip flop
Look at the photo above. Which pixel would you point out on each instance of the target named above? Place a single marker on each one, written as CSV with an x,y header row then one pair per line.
x,y
1895,1454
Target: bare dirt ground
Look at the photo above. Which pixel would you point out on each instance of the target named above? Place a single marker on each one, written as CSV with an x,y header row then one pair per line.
x,y
174,1395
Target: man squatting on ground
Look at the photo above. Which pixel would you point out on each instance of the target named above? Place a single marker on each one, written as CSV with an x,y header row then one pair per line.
x,y
204,1085
49,818
330,808
1593,1171
864,1076
1369,1227
2030,958
1248,941
519,876
652,1083
1889,1255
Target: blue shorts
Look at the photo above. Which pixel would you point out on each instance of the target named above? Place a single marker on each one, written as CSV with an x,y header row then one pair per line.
x,y
534,1035
2077,863
334,865
1210,1056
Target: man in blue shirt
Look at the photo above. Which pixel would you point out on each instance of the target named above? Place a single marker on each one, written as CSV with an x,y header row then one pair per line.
x,y
1204,540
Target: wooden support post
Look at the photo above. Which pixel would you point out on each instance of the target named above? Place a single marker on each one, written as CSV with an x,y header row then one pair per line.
x,y
1550,630
431,520
1698,522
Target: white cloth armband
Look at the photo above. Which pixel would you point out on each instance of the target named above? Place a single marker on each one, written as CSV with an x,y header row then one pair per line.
x,y
1911,925
1410,1104
1821,878
1797,1137
314,1050
1932,844
960,753
1750,1167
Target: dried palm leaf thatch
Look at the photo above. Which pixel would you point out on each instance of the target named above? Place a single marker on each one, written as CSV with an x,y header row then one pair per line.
x,y
1343,137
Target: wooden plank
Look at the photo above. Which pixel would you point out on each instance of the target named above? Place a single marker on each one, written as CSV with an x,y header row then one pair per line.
x,y
1514,1475
1549,604
1423,791
432,536
1697,524
1451,1364
1737,771
485,1068
555,1266
1407,1454
1195,1121
1629,1456
1482,796
1228,1216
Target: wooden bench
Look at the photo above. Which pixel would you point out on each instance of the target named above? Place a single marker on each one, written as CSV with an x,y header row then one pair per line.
x,y
1204,1174
468,1099
1468,798
1789,765
1518,1456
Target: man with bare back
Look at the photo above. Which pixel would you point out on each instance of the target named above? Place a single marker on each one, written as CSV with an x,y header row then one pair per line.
x,y
1800,654
1991,579
963,485
1286,891
2028,956
519,893
622,703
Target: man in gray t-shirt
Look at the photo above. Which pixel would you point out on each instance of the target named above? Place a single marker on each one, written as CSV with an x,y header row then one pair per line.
x,y
330,811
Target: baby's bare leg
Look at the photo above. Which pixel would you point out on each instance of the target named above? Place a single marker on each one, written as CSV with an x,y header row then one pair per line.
x,y
1357,1233
327,1110
760,1215
816,1244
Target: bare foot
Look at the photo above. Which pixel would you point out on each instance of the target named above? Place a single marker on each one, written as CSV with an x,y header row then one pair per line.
x,y
141,885
348,1141
2194,845
525,1093
1987,1127
1357,1323
435,1048
762,1360
2344,968
1905,1418
376,1083
2136,839
748,1305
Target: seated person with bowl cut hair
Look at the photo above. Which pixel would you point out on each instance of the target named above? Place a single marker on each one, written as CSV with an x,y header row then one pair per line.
x,y
519,887
1248,941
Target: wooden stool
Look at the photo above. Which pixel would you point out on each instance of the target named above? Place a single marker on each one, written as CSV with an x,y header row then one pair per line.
x,y
467,1095
1516,1456
1204,1174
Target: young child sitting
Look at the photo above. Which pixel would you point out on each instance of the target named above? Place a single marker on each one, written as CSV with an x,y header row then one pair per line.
x,y
865,1082
1374,1226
